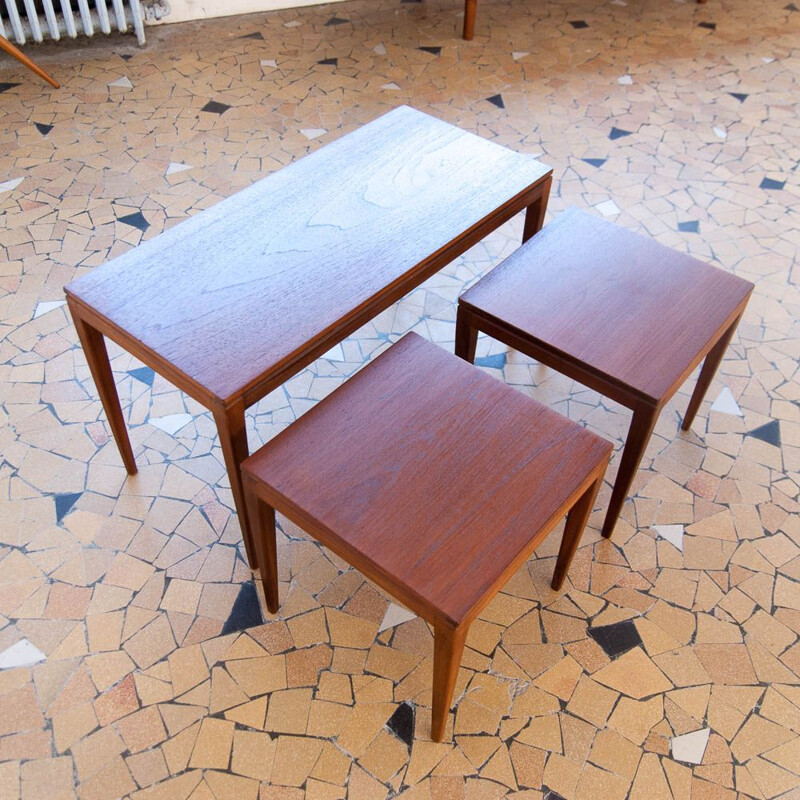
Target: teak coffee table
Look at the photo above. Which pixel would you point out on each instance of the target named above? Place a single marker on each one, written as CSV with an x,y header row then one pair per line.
x,y
231,303
615,311
434,480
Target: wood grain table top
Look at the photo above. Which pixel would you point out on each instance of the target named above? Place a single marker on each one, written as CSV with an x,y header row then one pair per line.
x,y
428,473
242,289
630,309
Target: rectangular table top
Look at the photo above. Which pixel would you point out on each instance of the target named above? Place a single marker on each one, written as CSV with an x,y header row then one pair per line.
x,y
242,290
447,479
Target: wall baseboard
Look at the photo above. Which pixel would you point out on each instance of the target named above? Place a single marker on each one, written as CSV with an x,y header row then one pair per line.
x,y
186,10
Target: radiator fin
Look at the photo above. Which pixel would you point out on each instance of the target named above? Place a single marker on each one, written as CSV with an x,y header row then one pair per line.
x,y
23,22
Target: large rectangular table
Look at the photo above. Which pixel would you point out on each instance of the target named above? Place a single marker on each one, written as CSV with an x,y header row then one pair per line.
x,y
235,300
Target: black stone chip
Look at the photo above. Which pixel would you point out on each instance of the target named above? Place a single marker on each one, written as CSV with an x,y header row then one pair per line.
x,y
401,724
213,107
768,183
64,503
246,611
769,433
143,374
497,361
618,133
135,220
617,638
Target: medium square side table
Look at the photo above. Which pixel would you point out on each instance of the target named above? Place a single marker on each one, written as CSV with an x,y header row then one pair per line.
x,y
613,310
435,481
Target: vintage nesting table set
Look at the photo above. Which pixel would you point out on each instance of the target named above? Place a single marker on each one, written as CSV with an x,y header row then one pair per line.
x,y
433,479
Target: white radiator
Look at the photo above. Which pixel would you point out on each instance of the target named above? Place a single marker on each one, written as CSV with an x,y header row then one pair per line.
x,y
36,19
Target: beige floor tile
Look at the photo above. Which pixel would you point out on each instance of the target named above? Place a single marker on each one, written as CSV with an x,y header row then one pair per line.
x,y
212,750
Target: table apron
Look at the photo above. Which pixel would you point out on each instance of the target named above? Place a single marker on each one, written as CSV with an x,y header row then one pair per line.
x,y
583,373
145,354
593,379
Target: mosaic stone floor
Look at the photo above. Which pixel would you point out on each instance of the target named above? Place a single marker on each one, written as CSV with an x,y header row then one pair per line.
x,y
136,658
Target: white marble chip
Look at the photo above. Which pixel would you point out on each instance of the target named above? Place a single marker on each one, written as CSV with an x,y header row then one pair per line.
x,y
269,62
380,49
672,533
625,80
21,654
175,167
691,747
721,133
293,24
50,305
518,54
725,403
395,615
608,208
335,354
390,87
122,83
767,59
313,133
172,423
9,186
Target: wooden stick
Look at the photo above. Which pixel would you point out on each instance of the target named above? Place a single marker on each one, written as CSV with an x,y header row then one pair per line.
x,y
20,56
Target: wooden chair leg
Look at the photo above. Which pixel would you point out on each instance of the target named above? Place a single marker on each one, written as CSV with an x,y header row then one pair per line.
x,y
534,215
94,348
642,424
712,361
573,530
470,9
233,438
448,648
262,524
22,58
466,336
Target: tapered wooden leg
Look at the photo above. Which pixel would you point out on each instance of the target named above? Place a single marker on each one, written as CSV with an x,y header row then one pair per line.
x,y
466,336
94,348
642,424
573,530
470,9
23,59
448,648
233,438
710,365
534,215
262,524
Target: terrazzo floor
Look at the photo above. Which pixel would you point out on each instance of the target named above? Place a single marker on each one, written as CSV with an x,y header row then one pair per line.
x,y
136,658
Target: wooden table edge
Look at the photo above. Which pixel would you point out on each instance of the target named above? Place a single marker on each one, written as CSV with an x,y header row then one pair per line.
x,y
585,374
340,547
